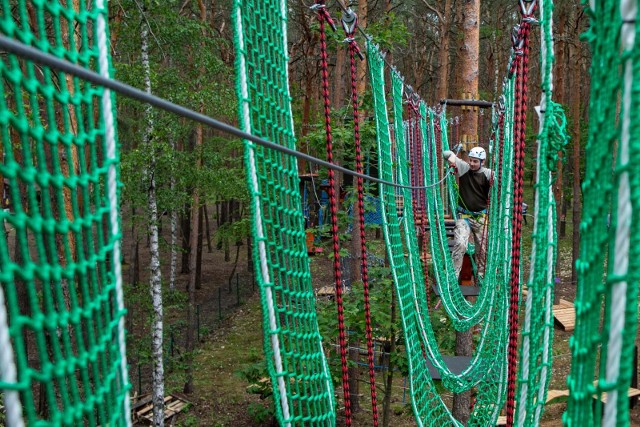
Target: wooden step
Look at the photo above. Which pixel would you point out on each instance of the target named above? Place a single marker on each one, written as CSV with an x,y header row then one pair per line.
x,y
564,314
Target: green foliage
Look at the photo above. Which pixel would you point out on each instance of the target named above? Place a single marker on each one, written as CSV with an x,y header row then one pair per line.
x,y
382,326
390,32
259,413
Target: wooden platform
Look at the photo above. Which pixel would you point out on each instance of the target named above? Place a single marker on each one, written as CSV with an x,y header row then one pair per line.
x,y
564,315
632,393
326,292
143,409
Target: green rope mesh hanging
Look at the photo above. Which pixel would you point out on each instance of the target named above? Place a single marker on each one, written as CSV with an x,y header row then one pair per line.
x,y
60,279
303,391
609,264
487,371
537,329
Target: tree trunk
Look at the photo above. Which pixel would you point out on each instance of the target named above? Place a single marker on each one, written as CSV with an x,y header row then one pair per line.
x,y
208,229
195,221
249,254
200,241
388,383
462,401
340,76
469,79
469,55
354,376
559,90
155,276
443,51
577,192
174,233
185,227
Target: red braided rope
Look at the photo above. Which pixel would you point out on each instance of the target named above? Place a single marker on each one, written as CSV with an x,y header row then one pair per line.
x,y
353,49
323,16
519,137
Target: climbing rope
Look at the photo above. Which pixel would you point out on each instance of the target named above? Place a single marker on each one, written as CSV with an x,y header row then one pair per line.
x,y
521,68
349,24
323,18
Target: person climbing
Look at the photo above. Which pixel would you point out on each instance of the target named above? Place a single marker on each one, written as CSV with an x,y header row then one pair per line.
x,y
473,195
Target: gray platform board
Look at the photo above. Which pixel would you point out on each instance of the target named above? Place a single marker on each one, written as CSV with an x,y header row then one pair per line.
x,y
467,291
456,365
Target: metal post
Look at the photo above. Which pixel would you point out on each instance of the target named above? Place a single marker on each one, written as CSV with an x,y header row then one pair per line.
x,y
220,303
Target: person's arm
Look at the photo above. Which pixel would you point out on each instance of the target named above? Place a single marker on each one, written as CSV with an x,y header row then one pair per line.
x,y
461,166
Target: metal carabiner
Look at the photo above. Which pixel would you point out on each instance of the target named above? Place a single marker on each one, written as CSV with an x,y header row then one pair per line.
x,y
349,22
322,9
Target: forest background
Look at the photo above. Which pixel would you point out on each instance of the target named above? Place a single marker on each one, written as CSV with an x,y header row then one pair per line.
x,y
184,184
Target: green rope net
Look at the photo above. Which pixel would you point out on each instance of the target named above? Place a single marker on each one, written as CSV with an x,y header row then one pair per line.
x,y
609,263
62,354
299,372
486,373
537,329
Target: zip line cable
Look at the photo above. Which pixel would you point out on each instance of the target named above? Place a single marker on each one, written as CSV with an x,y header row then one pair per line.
x,y
35,55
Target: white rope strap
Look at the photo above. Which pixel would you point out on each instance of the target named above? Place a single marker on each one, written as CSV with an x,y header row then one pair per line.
x,y
107,112
628,12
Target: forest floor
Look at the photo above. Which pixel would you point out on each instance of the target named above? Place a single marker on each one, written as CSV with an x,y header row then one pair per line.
x,y
231,343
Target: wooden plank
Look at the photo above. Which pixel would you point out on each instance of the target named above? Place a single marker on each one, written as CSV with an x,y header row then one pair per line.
x,y
326,291
631,393
566,303
173,405
564,317
555,394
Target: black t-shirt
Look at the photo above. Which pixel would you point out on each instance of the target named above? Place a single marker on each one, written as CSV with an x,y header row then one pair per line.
x,y
473,192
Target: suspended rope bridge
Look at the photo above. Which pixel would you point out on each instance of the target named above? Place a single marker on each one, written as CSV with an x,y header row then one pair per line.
x,y
68,260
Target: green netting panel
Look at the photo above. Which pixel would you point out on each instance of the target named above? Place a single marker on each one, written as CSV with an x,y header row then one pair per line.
x,y
608,267
428,407
488,370
462,313
299,372
537,329
63,359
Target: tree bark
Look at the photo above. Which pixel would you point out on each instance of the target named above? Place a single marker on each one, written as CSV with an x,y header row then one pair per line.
x,y
195,221
559,90
577,191
185,227
469,56
208,229
155,276
200,241
174,233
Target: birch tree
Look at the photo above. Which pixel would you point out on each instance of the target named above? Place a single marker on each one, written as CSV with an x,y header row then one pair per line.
x,y
155,278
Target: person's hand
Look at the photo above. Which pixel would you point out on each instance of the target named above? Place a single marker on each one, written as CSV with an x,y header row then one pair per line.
x,y
446,154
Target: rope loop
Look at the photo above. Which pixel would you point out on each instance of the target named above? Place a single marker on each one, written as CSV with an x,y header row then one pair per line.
x,y
527,7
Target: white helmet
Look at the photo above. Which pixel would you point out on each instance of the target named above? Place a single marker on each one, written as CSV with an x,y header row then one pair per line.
x,y
478,153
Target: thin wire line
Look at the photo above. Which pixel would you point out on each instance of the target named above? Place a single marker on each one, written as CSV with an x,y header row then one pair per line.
x,y
33,54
